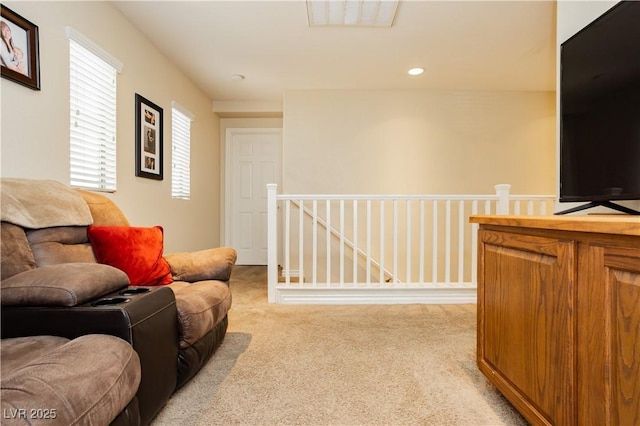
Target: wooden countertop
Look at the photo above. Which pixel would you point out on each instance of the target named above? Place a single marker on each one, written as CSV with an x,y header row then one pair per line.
x,y
605,224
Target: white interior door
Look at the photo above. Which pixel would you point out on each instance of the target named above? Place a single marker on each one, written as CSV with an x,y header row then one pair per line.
x,y
255,161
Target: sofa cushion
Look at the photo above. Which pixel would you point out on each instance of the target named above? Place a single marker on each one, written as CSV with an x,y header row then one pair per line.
x,y
211,264
200,306
15,251
20,351
88,380
60,244
66,284
134,250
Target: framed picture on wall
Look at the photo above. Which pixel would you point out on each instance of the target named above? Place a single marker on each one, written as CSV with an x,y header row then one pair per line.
x,y
19,49
149,139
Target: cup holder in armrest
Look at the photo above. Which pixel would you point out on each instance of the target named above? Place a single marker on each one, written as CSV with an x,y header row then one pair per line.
x,y
134,290
110,301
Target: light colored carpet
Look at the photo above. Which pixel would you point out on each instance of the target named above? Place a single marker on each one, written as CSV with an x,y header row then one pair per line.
x,y
340,365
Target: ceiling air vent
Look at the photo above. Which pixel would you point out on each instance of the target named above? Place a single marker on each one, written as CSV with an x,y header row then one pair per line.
x,y
351,13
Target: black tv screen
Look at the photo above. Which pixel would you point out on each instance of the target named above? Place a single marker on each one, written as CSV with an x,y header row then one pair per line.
x,y
600,109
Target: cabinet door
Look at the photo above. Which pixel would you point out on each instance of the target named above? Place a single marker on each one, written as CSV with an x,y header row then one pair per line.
x,y
526,322
609,335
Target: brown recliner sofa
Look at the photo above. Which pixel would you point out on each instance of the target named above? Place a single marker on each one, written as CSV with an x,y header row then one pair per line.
x,y
52,284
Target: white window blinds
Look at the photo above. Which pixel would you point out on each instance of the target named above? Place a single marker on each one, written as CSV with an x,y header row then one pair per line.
x,y
181,152
92,83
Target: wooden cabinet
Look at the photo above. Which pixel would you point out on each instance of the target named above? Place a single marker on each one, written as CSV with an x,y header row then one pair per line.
x,y
559,316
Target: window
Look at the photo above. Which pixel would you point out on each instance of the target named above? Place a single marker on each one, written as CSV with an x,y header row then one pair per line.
x,y
92,95
181,152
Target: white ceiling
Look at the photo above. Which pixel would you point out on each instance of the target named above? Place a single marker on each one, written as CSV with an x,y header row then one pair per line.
x,y
475,45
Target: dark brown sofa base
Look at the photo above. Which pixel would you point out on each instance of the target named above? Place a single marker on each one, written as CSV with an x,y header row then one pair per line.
x,y
193,358
130,416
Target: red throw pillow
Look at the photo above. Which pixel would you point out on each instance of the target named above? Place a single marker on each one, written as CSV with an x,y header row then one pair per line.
x,y
136,251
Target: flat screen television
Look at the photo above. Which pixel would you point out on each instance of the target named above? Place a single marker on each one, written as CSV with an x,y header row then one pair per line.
x,y
600,111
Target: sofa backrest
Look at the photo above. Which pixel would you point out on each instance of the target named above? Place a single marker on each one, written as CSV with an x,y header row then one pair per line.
x,y
15,251
60,244
26,248
103,210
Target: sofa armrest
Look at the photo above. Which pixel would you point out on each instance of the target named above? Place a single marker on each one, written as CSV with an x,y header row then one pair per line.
x,y
64,284
211,264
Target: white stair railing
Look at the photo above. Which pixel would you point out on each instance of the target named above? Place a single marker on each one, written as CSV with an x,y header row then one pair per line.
x,y
376,248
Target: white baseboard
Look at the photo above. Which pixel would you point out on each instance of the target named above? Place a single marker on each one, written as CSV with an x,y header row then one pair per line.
x,y
375,296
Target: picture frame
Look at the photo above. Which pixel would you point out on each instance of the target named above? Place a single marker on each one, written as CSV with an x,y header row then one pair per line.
x,y
19,44
149,139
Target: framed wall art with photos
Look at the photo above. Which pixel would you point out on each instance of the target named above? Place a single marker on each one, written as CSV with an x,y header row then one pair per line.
x,y
20,60
149,139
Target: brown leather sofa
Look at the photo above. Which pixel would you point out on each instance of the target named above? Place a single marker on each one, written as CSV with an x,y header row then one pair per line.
x,y
52,284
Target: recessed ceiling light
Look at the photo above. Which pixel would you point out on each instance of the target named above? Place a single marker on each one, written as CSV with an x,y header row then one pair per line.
x,y
416,71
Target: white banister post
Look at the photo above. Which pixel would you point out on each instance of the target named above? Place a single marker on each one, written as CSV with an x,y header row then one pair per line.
x,y
502,191
272,241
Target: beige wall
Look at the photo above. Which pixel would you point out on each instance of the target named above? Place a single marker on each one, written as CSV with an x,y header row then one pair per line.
x,y
418,142
414,142
35,133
